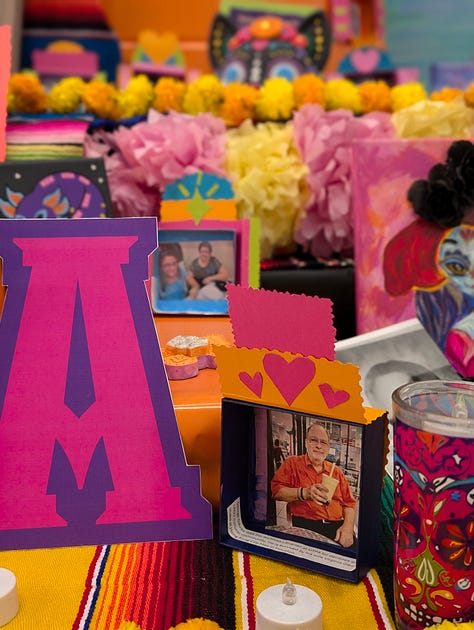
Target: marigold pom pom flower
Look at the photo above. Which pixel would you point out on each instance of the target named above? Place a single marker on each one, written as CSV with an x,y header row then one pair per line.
x,y
308,88
169,95
342,94
137,98
275,100
446,94
65,96
205,94
268,178
100,98
197,624
26,94
405,95
239,103
374,96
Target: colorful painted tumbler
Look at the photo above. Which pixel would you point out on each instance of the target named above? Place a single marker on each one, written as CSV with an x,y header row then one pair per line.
x,y
434,503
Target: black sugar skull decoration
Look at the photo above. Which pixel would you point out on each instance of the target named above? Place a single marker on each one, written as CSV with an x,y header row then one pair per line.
x,y
268,47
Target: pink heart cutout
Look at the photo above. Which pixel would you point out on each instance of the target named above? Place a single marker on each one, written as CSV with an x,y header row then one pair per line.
x,y
365,61
254,383
333,397
290,378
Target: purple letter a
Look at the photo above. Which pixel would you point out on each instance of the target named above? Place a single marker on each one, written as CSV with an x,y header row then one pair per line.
x,y
90,451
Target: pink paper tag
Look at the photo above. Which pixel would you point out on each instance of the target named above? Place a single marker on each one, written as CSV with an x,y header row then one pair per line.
x,y
281,321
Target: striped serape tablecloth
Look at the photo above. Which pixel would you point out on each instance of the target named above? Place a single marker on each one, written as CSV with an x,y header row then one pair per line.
x,y
158,585
45,139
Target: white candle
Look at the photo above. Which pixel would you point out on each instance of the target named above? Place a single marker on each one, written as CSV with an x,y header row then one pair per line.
x,y
8,596
274,614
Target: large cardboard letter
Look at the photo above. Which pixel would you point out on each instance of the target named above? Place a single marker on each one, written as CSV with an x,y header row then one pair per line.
x,y
90,449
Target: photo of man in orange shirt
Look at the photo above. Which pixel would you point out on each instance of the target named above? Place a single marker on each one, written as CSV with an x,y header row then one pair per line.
x,y
305,483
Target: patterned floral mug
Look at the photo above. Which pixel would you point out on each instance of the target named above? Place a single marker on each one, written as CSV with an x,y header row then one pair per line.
x,y
434,503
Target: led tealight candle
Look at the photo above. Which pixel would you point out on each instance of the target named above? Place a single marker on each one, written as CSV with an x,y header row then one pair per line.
x,y
8,596
289,607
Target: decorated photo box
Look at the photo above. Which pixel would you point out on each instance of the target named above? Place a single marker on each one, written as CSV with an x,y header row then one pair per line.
x,y
203,247
302,460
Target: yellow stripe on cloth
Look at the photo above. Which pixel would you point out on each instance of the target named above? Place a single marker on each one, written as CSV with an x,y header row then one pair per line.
x,y
345,605
50,585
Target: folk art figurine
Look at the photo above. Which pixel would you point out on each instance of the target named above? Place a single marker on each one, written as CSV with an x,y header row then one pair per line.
x,y
268,47
434,256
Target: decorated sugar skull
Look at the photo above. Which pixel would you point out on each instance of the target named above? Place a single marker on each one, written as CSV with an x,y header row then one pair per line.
x,y
434,256
268,47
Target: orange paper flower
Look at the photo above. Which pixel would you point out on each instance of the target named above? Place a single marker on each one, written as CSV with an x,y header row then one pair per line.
x,y
169,95
469,95
239,103
446,94
374,96
308,88
26,94
100,98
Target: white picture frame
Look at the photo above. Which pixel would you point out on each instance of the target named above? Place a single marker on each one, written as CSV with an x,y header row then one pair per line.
x,y
392,356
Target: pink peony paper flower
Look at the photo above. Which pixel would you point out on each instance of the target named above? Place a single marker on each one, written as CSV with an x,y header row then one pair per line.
x,y
141,160
324,141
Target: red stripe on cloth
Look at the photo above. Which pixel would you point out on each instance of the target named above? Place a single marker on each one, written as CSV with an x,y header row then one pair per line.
x,y
90,585
250,589
373,602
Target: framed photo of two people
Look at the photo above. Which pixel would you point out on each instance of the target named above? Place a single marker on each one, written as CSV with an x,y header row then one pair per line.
x,y
301,489
193,264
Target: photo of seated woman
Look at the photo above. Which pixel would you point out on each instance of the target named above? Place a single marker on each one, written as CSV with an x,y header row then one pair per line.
x,y
172,273
207,275
191,269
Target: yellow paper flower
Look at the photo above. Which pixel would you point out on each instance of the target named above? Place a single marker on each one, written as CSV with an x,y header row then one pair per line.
x,y
275,100
137,98
269,180
374,96
26,94
342,94
66,95
100,98
435,119
169,95
308,88
239,103
205,94
446,94
197,624
405,95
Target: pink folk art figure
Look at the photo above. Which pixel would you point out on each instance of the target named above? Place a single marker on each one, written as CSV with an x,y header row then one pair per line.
x,y
434,256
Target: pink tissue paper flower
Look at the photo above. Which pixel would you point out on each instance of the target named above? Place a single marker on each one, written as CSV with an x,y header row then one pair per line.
x,y
141,160
324,141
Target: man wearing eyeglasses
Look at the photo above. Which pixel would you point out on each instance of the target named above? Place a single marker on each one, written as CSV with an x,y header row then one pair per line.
x,y
299,482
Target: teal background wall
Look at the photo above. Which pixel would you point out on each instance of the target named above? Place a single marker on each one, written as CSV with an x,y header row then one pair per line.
x,y
422,32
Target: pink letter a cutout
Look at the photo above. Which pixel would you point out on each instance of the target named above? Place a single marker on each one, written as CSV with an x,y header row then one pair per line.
x,y
90,448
